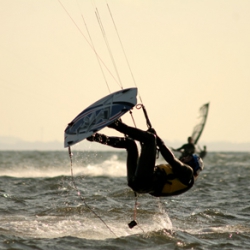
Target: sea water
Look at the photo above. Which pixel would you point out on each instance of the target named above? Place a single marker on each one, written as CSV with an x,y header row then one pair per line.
x,y
46,204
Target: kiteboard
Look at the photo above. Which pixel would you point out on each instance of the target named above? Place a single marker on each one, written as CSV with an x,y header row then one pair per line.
x,y
99,115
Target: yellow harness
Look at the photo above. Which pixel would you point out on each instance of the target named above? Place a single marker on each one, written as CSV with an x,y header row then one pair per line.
x,y
172,185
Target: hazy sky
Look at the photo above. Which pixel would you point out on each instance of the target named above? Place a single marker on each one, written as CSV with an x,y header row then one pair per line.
x,y
182,54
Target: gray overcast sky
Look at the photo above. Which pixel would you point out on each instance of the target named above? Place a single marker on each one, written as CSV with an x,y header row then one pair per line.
x,y
182,55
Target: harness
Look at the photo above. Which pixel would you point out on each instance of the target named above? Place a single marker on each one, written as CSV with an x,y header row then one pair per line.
x,y
167,183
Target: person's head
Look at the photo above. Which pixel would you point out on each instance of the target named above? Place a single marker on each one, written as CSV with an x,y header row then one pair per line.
x,y
195,162
190,139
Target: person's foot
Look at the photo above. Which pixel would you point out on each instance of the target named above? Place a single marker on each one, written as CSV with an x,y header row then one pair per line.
x,y
115,124
91,138
97,138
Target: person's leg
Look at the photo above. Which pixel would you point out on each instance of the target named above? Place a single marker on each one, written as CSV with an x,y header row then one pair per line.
x,y
132,159
121,142
139,172
135,133
147,158
142,182
132,153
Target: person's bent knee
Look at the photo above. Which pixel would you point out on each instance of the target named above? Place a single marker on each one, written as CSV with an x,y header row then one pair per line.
x,y
131,144
151,138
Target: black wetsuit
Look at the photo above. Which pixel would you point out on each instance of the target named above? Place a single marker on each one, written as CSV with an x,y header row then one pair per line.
x,y
142,175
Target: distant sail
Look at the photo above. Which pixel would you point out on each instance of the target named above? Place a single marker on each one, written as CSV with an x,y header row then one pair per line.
x,y
199,127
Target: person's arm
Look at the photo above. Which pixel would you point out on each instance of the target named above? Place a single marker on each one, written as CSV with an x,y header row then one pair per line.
x,y
178,149
183,171
166,152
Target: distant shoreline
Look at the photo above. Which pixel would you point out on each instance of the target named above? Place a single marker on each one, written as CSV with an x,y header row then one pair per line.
x,y
15,144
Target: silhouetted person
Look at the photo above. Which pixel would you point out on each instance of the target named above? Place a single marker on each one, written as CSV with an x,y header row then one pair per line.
x,y
187,149
171,178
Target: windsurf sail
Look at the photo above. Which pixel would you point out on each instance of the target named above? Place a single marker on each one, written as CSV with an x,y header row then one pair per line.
x,y
199,127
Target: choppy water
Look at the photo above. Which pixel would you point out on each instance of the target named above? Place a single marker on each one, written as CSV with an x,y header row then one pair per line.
x,y
40,209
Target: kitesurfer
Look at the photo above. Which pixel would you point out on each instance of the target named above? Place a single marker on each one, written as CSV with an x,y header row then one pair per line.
x,y
188,148
171,178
